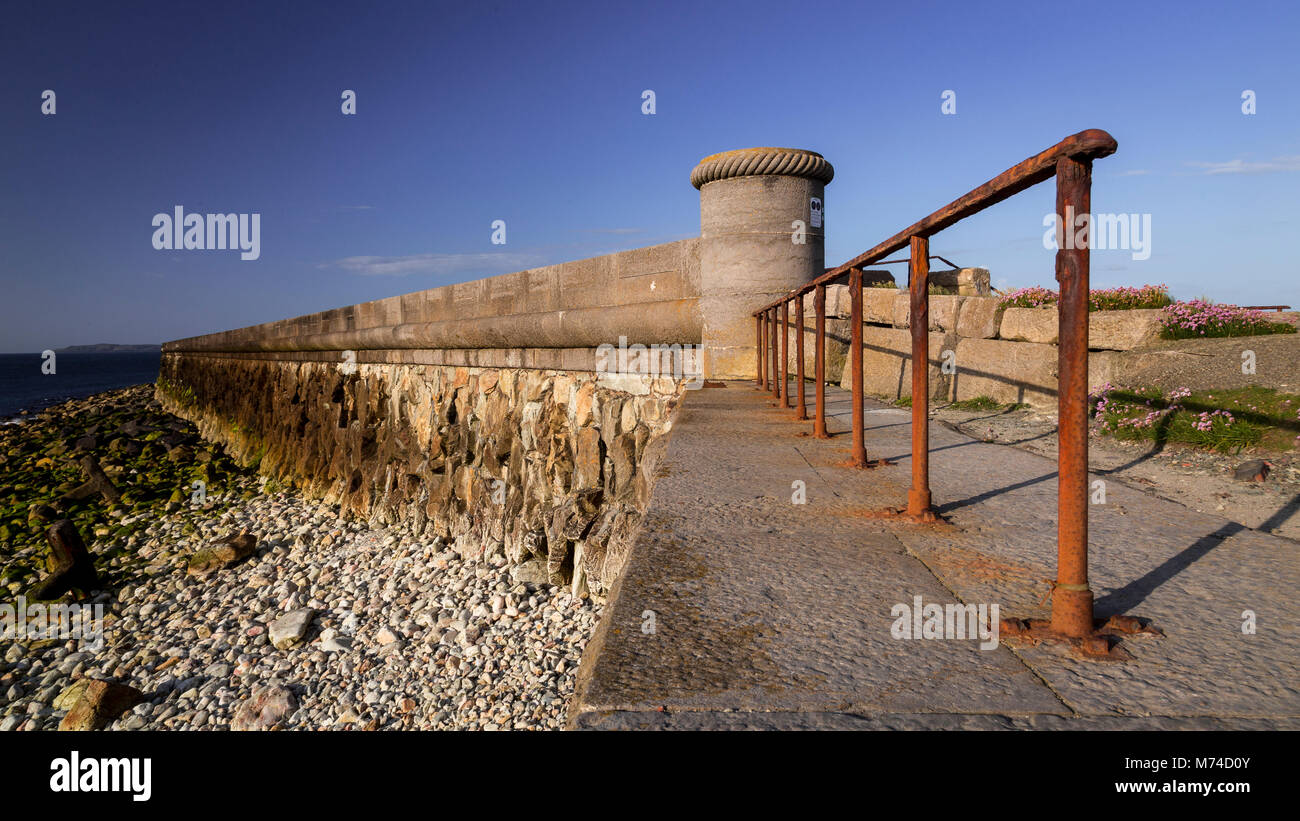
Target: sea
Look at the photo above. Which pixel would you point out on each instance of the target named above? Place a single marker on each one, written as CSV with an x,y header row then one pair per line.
x,y
23,385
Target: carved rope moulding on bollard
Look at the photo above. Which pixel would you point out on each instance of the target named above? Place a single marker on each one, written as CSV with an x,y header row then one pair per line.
x,y
749,162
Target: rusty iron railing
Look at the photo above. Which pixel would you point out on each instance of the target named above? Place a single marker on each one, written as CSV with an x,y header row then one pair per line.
x,y
1070,162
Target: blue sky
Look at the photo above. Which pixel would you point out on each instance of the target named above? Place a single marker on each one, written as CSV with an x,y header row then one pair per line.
x,y
472,112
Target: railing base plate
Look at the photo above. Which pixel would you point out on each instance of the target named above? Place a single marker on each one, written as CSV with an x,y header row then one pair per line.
x,y
867,465
901,514
1105,643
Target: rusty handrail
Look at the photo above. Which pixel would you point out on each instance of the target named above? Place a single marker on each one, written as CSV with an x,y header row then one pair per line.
x,y
1086,145
908,261
1070,163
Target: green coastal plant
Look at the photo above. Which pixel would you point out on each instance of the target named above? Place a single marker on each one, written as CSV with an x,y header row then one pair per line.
x,y
978,403
1226,420
181,394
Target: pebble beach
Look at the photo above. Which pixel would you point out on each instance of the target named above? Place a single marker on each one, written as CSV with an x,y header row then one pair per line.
x,y
323,624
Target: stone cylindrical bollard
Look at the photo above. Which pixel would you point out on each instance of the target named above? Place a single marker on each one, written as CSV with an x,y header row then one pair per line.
x,y
762,233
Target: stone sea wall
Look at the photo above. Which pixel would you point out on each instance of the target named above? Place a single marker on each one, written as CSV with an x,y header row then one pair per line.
x,y
552,468
489,412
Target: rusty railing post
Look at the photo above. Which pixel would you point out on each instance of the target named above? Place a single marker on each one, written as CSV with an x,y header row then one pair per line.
x,y
785,354
918,283
801,405
758,351
819,364
771,322
858,453
1071,596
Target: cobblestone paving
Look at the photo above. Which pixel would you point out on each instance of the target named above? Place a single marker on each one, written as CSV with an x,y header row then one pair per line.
x,y
743,608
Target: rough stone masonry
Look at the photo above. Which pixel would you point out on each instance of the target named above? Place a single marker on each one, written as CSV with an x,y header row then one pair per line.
x,y
548,467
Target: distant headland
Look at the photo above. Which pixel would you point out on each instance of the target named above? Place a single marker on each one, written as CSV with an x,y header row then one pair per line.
x,y
109,347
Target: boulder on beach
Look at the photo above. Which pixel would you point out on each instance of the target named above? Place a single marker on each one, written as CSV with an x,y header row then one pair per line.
x,y
267,707
221,554
99,704
290,629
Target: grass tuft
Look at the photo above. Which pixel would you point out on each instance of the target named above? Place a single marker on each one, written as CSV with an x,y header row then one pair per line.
x,y
978,403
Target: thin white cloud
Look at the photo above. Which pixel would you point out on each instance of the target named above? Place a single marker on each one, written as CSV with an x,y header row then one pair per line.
x,y
1290,162
1134,172
439,264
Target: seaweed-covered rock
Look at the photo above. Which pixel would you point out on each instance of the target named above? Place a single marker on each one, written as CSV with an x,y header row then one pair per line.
x,y
70,564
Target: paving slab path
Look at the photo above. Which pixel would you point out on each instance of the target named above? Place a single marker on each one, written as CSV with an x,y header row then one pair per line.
x,y
741,607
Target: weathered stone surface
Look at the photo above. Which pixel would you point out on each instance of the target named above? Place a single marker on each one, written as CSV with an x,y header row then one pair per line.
x,y
1106,366
945,312
531,572
1208,364
965,281
884,355
1123,330
980,318
625,383
268,706
479,456
570,522
837,346
838,304
98,704
290,629
878,305
71,694
902,317
587,458
704,582
887,363
1029,325
1006,371
837,349
221,554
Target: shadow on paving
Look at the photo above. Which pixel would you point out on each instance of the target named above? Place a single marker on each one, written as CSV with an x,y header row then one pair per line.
x,y
741,607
